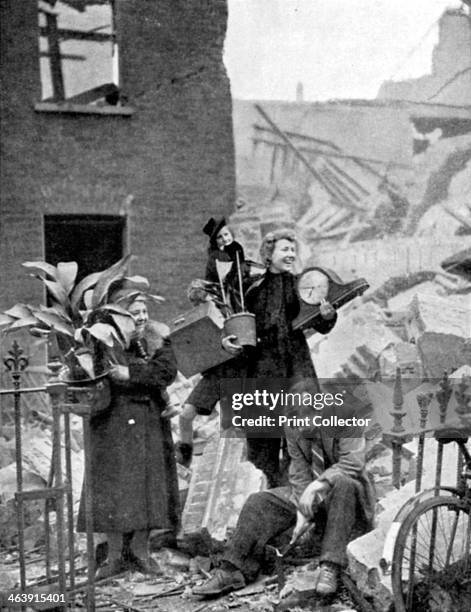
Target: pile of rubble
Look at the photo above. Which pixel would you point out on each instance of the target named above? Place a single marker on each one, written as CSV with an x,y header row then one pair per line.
x,y
334,199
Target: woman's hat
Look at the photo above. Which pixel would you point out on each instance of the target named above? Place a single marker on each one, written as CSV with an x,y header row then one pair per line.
x,y
213,227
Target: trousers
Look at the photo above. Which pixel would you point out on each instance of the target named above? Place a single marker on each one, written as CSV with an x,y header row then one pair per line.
x,y
265,516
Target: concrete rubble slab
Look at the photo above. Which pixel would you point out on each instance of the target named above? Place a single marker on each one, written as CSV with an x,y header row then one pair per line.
x,y
459,263
402,300
380,259
452,283
441,328
217,491
353,347
405,356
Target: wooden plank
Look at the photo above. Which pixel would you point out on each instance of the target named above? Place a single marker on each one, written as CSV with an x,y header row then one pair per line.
x,y
89,35
94,94
82,109
302,158
65,56
55,64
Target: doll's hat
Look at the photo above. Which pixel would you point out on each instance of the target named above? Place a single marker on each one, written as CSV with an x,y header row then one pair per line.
x,y
213,227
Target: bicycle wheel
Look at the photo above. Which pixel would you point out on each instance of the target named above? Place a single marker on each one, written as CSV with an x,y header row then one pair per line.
x,y
432,555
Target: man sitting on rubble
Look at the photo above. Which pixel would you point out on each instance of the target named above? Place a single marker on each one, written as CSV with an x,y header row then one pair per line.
x,y
328,485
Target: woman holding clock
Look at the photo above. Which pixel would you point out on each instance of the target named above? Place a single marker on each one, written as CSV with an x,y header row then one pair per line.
x,y
281,352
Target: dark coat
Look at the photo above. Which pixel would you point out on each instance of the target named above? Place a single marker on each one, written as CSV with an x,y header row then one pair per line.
x,y
134,476
227,254
281,351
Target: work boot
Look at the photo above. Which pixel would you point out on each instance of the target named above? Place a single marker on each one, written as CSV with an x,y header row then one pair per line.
x,y
222,581
143,565
110,568
327,578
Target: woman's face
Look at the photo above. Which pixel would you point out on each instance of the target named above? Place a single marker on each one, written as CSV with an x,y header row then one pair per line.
x,y
224,237
138,311
283,256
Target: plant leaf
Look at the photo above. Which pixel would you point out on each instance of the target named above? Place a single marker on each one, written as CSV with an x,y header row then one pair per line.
x,y
24,322
86,362
78,334
158,299
54,321
136,282
125,326
56,310
42,266
87,299
57,291
115,308
18,311
86,283
115,272
5,320
102,332
66,274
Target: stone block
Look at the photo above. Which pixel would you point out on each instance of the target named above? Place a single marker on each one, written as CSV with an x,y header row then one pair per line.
x,y
441,328
402,300
405,356
355,343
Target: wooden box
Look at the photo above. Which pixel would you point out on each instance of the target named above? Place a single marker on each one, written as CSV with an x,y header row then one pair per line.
x,y
196,339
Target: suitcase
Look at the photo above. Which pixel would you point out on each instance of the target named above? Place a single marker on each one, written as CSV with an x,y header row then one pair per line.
x,y
196,339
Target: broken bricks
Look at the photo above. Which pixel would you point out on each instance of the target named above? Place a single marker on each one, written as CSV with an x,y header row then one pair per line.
x,y
217,490
441,328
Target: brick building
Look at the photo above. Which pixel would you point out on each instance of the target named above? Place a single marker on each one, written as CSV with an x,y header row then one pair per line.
x,y
138,171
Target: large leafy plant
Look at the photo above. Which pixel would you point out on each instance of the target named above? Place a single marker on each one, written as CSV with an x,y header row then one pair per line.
x,y
81,320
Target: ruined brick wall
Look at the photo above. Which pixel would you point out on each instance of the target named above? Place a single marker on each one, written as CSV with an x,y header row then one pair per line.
x,y
450,78
167,168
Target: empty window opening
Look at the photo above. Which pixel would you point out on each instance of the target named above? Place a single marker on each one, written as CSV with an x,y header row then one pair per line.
x,y
78,52
95,242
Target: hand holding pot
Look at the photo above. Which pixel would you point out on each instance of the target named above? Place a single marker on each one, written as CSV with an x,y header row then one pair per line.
x,y
230,345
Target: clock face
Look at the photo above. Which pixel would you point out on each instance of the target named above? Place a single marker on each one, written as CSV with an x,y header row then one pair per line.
x,y
313,287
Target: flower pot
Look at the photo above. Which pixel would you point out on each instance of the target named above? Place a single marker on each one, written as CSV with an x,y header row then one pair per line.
x,y
95,392
242,325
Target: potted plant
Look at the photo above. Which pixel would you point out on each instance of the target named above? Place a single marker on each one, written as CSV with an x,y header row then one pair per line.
x,y
81,323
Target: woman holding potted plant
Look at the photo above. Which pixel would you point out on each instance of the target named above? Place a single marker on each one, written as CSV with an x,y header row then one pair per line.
x,y
99,328
134,477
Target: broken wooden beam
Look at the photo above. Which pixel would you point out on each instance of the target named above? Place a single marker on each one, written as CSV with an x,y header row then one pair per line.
x,y
302,158
55,63
69,34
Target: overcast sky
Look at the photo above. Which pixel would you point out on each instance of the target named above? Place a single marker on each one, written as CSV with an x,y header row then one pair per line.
x,y
336,48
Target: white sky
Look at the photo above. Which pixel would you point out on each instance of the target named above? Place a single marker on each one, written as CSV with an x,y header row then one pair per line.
x,y
336,48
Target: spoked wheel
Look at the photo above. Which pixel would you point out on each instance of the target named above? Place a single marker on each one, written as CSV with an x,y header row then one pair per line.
x,y
432,556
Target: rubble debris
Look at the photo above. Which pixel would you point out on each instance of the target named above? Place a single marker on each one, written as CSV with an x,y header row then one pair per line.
x,y
437,176
459,263
441,329
402,355
217,491
396,285
352,349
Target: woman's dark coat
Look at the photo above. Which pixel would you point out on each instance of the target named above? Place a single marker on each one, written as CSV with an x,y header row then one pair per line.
x,y
281,360
229,253
134,477
281,352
